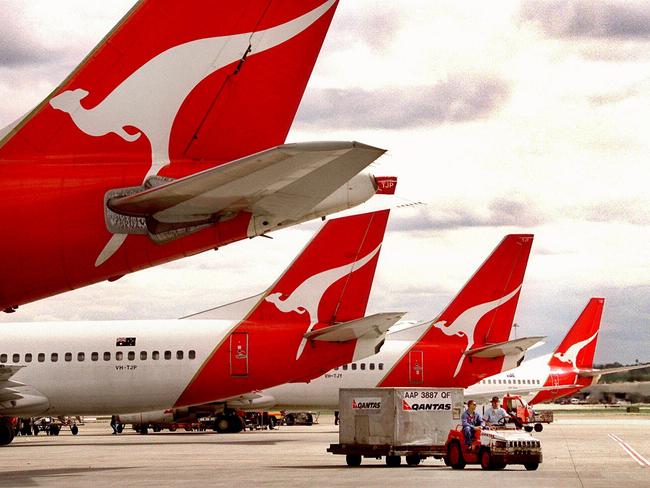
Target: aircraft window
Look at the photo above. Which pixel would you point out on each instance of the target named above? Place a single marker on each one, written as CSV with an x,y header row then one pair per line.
x,y
168,354
28,357
345,367
107,356
119,355
143,355
94,356
510,382
380,366
54,357
3,358
372,366
68,356
131,355
179,354
81,356
353,366
155,355
191,354
41,357
538,382
16,358
336,369
363,366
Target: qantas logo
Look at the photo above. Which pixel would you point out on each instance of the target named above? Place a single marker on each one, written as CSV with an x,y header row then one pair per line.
x,y
373,403
466,322
571,354
413,406
306,298
144,103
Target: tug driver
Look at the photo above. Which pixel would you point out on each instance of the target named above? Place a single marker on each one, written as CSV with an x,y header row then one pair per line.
x,y
472,421
494,414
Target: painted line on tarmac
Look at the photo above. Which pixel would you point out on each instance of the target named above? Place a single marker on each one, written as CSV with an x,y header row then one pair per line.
x,y
643,462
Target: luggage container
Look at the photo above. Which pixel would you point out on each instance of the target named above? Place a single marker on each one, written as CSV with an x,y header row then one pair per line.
x,y
396,422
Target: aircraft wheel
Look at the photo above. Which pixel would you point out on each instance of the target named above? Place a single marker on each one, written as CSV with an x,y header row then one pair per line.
x,y
455,456
6,434
54,429
413,460
144,429
528,428
393,461
539,427
353,460
289,419
74,429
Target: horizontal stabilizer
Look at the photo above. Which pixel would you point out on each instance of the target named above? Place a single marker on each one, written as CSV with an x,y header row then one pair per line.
x,y
508,348
373,326
7,372
521,391
285,181
621,369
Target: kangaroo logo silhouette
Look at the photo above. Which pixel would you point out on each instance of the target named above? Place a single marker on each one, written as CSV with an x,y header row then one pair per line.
x,y
144,103
571,354
307,297
466,323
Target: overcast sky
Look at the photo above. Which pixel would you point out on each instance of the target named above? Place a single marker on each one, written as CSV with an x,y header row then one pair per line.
x,y
515,116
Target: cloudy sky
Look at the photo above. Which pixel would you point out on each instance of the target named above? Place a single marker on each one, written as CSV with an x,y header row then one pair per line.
x,y
516,116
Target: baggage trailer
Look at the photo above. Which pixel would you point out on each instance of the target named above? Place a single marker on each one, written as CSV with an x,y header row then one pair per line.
x,y
396,422
421,423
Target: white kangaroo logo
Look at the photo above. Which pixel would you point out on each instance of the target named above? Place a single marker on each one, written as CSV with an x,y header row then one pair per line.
x,y
306,298
151,97
467,321
571,354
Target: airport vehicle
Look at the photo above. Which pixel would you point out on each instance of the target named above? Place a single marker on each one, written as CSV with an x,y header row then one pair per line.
x,y
494,448
565,371
465,343
524,414
418,423
169,140
310,320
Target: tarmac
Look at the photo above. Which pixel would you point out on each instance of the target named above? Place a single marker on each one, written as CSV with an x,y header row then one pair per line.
x,y
579,451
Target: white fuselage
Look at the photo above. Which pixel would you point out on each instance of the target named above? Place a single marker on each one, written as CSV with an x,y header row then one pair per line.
x,y
78,368
323,392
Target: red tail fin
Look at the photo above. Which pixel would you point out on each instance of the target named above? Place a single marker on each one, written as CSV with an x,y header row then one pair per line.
x,y
193,80
579,346
330,281
481,314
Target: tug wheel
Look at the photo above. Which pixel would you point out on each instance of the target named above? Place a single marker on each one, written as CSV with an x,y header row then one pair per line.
x,y
455,456
486,459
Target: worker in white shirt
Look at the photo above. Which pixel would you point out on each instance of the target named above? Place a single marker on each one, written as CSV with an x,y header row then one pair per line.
x,y
494,414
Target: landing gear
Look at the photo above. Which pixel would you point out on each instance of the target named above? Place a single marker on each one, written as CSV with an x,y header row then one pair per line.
x,y
6,433
74,429
228,423
54,429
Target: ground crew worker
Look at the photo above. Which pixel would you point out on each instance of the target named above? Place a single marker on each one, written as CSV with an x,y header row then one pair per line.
x,y
472,421
494,414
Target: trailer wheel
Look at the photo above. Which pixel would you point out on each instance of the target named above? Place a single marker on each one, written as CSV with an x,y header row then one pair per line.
x,y
486,459
531,466
393,461
455,456
413,459
539,427
74,429
353,460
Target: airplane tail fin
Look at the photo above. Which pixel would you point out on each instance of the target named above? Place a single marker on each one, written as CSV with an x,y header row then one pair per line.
x,y
330,280
579,345
200,81
480,315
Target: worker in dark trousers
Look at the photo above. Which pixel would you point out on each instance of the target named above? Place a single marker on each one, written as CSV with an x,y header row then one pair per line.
x,y
472,421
